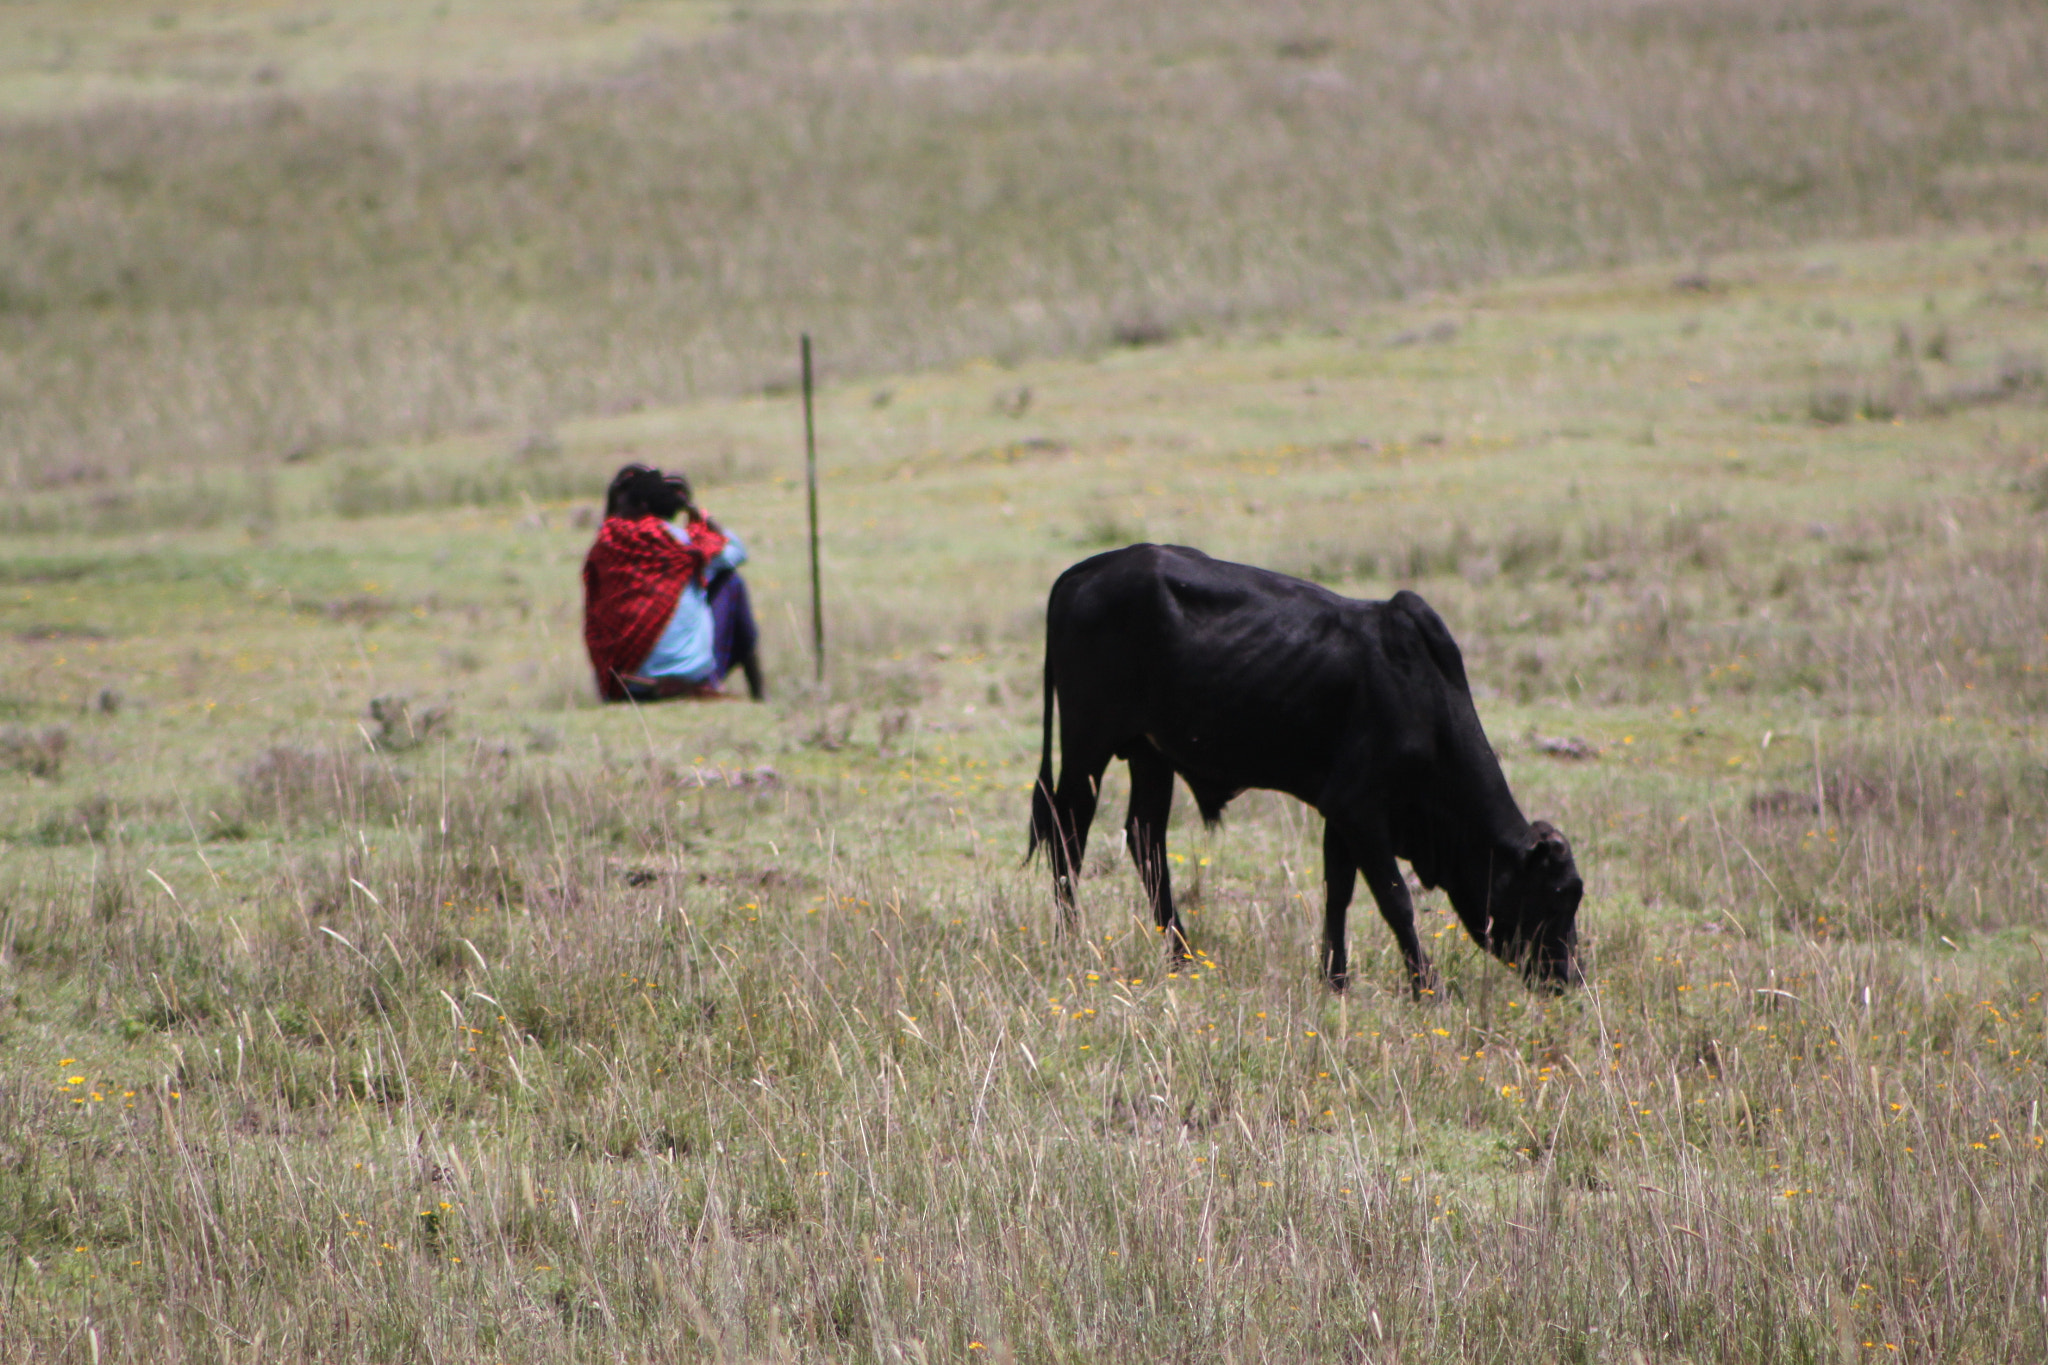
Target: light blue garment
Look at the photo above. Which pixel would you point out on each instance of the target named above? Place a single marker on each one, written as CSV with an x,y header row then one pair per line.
x,y
684,649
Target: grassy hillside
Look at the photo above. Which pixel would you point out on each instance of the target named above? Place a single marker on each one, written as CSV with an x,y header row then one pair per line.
x,y
234,234
72,55
540,1031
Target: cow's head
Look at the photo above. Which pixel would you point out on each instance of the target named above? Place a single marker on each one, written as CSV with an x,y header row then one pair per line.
x,y
1536,910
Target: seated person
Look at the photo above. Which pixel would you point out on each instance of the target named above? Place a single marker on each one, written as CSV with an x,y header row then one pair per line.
x,y
665,612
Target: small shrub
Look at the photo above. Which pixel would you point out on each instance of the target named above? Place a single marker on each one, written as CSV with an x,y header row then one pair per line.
x,y
89,821
400,727
39,753
1527,549
1140,331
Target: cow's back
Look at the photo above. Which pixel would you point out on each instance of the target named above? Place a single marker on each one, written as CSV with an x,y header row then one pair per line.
x,y
1241,676
1157,587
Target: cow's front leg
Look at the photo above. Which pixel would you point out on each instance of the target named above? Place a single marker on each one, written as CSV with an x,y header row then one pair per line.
x,y
1340,876
1342,859
1145,832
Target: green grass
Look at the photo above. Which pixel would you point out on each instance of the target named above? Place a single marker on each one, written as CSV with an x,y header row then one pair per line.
x,y
736,1032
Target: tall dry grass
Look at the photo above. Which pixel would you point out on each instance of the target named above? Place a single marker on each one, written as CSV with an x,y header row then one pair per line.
x,y
452,1095
917,183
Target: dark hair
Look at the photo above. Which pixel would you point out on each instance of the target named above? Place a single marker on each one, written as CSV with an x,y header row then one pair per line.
x,y
640,490
678,489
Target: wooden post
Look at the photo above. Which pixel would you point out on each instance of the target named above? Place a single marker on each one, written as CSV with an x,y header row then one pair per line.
x,y
811,481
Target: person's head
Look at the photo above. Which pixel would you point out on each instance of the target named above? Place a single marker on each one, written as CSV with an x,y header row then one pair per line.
x,y
640,490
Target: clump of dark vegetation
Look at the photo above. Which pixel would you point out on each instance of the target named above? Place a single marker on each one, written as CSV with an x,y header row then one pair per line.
x,y
400,727
37,751
1142,330
87,821
1905,391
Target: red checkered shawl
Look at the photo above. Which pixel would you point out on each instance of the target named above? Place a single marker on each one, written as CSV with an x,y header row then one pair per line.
x,y
631,580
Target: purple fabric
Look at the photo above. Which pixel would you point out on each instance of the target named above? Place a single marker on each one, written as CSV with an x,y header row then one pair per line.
x,y
733,633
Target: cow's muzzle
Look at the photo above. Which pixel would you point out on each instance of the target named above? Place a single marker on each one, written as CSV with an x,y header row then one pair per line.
x,y
1553,969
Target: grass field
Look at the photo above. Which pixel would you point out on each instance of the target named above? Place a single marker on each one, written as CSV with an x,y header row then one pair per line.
x,y
246,229
726,1031
368,992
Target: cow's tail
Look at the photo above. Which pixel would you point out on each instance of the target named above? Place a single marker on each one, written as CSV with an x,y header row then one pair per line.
x,y
1044,823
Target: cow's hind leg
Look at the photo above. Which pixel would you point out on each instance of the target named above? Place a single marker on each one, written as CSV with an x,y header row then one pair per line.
x,y
1145,832
1344,858
1073,811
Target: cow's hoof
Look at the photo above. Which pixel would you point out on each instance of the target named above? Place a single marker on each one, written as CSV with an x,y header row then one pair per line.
x,y
1338,982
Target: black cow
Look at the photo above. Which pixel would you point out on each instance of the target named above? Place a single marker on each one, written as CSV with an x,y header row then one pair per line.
x,y
1236,677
